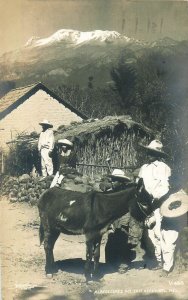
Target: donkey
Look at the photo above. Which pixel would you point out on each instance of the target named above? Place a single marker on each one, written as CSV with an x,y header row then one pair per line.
x,y
90,214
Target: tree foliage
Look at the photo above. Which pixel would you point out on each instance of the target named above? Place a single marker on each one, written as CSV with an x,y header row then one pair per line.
x,y
94,102
124,76
158,97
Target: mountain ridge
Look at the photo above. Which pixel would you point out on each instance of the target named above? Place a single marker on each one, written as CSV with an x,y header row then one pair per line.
x,y
76,38
71,57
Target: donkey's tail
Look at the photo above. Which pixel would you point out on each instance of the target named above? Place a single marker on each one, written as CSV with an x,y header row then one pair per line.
x,y
41,233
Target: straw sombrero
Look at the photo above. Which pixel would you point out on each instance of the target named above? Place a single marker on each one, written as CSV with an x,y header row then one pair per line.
x,y
175,206
117,173
46,122
65,142
155,147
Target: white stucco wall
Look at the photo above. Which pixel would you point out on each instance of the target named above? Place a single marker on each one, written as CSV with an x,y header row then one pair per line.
x,y
26,117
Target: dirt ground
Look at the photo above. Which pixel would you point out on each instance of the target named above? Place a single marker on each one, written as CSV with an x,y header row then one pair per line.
x,y
22,267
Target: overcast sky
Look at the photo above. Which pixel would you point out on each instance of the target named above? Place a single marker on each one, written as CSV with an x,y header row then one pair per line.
x,y
146,20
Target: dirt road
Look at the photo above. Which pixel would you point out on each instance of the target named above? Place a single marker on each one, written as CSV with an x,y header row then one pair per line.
x,y
22,267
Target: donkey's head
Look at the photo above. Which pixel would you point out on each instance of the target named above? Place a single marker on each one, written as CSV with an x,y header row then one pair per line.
x,y
145,204
141,210
141,207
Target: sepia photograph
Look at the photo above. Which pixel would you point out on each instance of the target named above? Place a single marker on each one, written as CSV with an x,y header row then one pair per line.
x,y
93,149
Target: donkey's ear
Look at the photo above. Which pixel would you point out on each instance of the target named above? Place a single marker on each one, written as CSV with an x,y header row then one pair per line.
x,y
140,185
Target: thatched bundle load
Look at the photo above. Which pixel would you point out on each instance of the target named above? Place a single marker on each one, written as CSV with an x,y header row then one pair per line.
x,y
80,183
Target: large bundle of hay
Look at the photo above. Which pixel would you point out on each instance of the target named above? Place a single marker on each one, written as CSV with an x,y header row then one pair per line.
x,y
22,154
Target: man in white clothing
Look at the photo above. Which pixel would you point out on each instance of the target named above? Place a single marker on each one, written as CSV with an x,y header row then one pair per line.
x,y
156,175
45,147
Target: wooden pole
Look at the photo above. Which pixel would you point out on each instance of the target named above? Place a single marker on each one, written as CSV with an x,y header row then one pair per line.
x,y
2,163
106,166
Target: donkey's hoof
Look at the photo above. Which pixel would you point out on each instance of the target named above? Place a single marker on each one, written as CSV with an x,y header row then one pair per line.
x,y
123,268
97,277
89,281
49,276
88,278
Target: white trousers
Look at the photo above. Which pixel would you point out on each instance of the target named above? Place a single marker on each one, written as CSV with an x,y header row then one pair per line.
x,y
164,242
46,163
168,246
57,179
155,235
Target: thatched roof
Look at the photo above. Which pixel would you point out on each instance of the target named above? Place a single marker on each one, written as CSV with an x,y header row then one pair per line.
x,y
95,127
89,130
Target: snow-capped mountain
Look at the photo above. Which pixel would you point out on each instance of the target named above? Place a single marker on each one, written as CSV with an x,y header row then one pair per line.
x,y
67,56
71,57
75,38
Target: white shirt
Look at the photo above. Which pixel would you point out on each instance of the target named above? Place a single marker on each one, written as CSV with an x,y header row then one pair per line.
x,y
46,140
156,178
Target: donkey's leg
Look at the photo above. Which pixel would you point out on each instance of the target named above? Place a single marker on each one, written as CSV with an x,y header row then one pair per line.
x,y
50,238
96,253
89,254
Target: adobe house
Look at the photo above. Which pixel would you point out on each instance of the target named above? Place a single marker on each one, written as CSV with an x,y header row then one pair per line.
x,y
23,108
